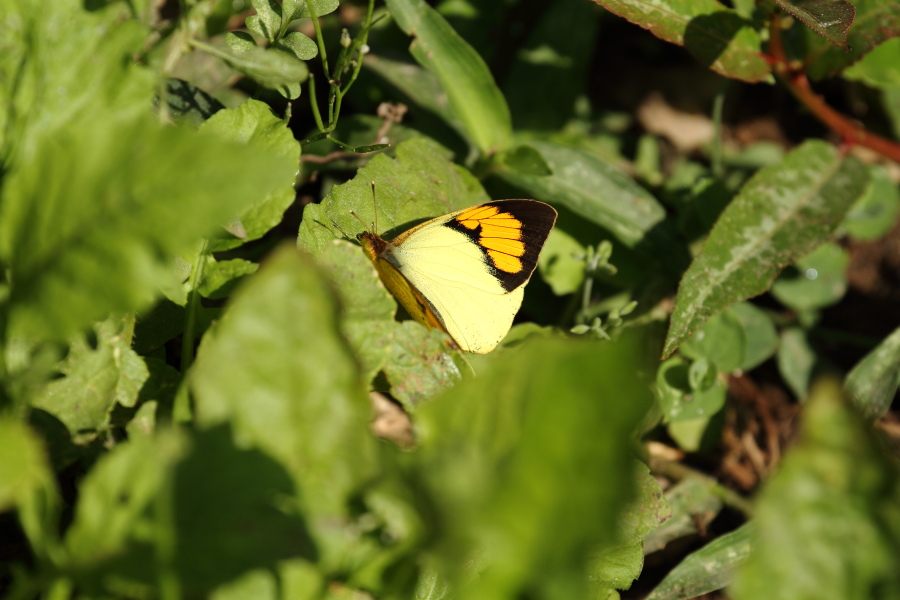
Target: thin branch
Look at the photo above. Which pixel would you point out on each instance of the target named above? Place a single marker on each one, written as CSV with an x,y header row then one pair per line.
x,y
798,84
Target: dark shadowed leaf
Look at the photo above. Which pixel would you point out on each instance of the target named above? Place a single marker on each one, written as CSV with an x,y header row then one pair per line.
x,y
717,36
829,18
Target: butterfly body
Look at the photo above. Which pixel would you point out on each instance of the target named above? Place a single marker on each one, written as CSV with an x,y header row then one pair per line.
x,y
465,272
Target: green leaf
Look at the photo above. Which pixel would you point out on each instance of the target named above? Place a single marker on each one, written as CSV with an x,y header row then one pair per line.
x,y
220,277
309,410
796,361
873,382
694,503
718,37
187,103
817,280
874,214
761,339
710,568
252,123
784,212
96,375
879,68
299,45
529,514
270,67
829,18
269,14
297,9
471,92
523,159
721,340
678,401
559,264
239,41
876,21
593,189
827,524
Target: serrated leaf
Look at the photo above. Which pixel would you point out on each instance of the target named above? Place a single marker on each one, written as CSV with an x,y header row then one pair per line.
x,y
465,78
878,68
95,376
781,214
873,382
829,18
420,183
710,568
299,45
254,124
827,524
717,36
309,410
876,21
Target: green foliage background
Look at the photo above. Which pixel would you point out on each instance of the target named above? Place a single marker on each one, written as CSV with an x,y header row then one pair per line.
x,y
186,362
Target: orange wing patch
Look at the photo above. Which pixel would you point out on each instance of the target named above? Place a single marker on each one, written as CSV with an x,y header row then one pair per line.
x,y
499,233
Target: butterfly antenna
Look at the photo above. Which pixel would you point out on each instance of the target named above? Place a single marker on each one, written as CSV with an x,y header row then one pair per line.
x,y
341,229
375,206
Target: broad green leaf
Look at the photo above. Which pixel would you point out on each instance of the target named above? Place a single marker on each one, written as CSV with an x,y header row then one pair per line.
x,y
876,21
721,340
553,58
760,337
796,361
420,85
239,41
419,184
306,409
691,434
717,36
815,281
829,18
874,214
269,67
784,212
523,159
873,382
528,466
694,502
593,189
827,524
879,68
96,375
471,91
297,9
220,277
710,568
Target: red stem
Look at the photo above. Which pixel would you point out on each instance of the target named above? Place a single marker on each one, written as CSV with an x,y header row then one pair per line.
x,y
798,84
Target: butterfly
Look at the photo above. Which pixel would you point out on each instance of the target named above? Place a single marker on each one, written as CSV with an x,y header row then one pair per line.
x,y
465,272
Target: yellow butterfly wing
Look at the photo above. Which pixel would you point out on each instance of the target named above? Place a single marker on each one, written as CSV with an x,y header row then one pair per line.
x,y
465,272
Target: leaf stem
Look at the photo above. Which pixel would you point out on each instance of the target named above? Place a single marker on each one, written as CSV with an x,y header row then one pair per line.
x,y
798,84
678,472
319,39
